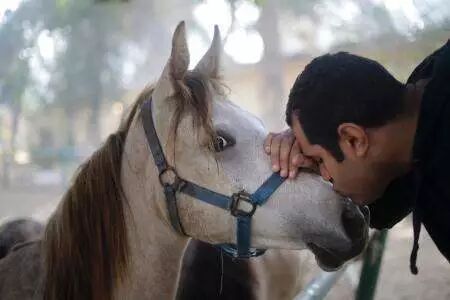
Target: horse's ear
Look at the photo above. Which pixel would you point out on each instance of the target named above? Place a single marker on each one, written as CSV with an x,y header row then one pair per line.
x,y
179,57
177,65
210,63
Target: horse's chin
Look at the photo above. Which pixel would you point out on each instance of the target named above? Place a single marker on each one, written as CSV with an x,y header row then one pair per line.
x,y
326,260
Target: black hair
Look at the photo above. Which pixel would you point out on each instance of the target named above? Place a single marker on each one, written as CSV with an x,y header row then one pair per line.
x,y
339,88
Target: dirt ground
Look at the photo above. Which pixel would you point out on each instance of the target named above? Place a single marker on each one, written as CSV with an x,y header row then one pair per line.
x,y
396,282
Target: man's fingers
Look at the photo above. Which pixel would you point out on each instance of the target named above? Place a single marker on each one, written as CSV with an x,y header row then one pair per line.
x,y
285,150
295,159
275,152
279,145
268,142
296,156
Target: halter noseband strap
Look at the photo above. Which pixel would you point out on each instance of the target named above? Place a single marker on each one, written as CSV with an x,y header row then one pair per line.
x,y
241,205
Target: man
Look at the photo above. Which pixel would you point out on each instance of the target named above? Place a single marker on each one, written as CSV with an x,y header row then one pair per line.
x,y
380,142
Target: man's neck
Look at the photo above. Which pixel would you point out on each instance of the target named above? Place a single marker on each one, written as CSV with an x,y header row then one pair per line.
x,y
407,125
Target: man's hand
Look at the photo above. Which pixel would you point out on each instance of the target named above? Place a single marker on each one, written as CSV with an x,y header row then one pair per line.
x,y
285,154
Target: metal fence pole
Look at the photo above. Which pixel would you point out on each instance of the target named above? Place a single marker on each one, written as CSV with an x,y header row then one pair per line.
x,y
371,266
319,287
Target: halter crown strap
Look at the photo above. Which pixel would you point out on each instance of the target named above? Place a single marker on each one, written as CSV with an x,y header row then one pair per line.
x,y
243,227
161,164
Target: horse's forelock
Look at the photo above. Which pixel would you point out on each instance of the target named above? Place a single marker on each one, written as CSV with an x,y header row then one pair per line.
x,y
195,95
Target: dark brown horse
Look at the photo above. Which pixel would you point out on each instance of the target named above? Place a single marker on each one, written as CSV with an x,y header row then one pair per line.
x,y
208,274
16,232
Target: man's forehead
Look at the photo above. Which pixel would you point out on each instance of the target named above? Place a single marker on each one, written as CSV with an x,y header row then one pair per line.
x,y
307,148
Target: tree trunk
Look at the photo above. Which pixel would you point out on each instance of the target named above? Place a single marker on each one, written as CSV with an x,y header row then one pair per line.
x,y
271,91
94,135
16,110
10,146
97,61
71,124
6,177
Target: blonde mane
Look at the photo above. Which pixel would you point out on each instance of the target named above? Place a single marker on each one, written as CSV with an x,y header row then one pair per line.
x,y
86,244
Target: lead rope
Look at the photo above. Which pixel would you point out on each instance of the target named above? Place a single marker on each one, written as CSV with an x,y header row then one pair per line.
x,y
221,273
416,229
416,216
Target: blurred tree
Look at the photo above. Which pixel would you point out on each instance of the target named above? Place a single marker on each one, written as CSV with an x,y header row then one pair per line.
x,y
14,76
103,40
271,91
85,74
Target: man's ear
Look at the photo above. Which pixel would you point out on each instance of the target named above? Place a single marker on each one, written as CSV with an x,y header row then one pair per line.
x,y
353,140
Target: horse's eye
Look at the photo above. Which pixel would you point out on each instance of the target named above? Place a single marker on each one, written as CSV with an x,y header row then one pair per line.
x,y
223,140
220,143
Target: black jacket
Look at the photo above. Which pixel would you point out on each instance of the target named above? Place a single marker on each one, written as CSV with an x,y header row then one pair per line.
x,y
426,190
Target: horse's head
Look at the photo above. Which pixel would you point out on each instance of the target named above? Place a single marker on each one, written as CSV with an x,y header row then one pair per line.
x,y
215,144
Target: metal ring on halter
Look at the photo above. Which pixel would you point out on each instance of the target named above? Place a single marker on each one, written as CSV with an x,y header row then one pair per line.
x,y
176,181
232,251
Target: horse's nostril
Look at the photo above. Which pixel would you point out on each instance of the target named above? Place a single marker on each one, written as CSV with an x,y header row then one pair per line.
x,y
353,222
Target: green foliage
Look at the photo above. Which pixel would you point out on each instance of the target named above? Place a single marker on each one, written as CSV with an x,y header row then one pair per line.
x,y
87,71
90,32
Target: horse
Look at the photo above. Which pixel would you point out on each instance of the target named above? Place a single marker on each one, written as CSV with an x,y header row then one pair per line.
x,y
206,273
122,227
17,232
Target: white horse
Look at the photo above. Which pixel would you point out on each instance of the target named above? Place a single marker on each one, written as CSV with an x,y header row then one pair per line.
x,y
111,236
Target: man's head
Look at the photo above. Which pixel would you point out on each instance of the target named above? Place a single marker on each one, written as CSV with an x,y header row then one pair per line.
x,y
355,120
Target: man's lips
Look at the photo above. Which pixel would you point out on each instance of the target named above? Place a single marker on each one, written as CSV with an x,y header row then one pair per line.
x,y
355,198
343,194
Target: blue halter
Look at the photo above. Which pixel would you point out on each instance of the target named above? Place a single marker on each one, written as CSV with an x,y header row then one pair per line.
x,y
241,205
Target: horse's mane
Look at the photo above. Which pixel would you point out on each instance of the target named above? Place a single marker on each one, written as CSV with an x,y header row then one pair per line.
x,y
85,244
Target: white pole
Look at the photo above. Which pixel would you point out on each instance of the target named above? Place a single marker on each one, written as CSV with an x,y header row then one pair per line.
x,y
319,287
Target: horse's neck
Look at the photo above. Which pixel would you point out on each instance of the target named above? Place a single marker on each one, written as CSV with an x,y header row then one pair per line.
x,y
156,254
156,250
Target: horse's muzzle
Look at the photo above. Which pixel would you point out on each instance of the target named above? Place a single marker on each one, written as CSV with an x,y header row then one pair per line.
x,y
356,226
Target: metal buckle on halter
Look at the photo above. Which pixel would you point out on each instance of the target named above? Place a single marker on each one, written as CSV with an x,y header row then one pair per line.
x,y
239,210
169,178
232,251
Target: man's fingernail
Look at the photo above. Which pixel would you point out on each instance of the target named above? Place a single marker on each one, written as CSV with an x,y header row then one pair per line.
x,y
267,149
275,168
283,173
292,174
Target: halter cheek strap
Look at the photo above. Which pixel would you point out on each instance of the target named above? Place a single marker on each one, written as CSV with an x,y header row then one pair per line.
x,y
241,205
